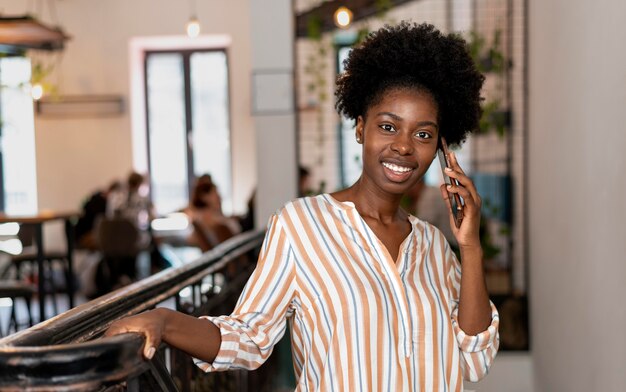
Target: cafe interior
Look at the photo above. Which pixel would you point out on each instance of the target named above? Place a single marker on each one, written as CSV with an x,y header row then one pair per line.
x,y
144,144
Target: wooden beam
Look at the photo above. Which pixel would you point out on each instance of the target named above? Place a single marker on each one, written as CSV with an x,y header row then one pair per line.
x,y
324,13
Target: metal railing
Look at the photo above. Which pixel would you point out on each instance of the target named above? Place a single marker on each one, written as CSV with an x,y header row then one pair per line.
x,y
64,352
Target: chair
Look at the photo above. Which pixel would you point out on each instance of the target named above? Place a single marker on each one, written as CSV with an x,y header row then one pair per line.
x,y
23,267
15,290
208,238
118,241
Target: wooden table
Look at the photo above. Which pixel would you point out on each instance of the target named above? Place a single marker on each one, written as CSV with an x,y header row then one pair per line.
x,y
37,220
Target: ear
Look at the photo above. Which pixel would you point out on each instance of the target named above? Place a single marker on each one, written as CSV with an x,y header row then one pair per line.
x,y
360,125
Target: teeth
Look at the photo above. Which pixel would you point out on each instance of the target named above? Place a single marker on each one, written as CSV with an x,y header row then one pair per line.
x,y
396,168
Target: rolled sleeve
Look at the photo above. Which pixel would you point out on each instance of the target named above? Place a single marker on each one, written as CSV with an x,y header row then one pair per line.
x,y
229,347
482,341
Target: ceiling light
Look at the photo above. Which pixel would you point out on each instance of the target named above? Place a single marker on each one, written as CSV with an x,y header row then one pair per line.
x,y
193,27
343,17
36,91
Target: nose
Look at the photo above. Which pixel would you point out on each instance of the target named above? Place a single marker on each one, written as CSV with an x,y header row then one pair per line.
x,y
402,145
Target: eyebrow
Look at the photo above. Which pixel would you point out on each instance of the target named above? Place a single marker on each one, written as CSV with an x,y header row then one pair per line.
x,y
398,118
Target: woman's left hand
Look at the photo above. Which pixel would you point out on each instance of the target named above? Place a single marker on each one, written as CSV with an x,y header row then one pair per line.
x,y
468,234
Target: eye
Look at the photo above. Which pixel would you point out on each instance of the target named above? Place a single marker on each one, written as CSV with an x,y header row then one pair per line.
x,y
423,135
387,128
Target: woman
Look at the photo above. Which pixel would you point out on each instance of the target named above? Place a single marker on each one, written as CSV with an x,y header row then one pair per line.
x,y
375,298
210,225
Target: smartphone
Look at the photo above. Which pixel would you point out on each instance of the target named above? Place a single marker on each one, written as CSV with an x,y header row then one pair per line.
x,y
456,204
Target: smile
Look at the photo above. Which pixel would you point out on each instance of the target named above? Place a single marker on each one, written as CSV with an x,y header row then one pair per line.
x,y
396,168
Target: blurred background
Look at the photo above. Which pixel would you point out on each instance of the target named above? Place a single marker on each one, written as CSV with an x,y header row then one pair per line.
x,y
242,91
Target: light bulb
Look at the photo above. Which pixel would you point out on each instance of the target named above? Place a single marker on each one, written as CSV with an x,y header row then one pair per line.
x,y
193,27
343,17
36,91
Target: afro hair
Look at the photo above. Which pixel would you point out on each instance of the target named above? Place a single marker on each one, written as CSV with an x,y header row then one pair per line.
x,y
414,56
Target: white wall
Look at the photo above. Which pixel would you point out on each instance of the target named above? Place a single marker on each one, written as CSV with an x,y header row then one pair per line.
x,y
510,372
577,186
275,121
75,156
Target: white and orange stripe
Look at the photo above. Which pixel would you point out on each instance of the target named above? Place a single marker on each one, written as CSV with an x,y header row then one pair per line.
x,y
359,320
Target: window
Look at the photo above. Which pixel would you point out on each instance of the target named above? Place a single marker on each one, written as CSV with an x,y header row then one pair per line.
x,y
187,104
18,182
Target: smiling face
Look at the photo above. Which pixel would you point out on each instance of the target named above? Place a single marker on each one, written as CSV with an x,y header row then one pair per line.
x,y
399,135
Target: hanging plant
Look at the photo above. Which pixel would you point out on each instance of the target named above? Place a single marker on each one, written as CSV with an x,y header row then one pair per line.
x,y
494,118
491,60
40,77
488,59
315,69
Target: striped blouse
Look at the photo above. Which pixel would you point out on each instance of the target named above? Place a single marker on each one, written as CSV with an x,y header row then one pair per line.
x,y
359,320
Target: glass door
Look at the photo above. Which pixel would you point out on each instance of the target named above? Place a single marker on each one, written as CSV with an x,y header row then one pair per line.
x,y
188,125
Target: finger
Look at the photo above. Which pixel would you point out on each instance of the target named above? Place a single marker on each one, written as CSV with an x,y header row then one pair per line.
x,y
461,177
465,181
466,184
149,351
151,345
444,193
463,192
455,162
455,189
151,340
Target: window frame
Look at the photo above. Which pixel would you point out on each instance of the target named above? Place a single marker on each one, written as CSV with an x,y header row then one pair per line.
x,y
187,94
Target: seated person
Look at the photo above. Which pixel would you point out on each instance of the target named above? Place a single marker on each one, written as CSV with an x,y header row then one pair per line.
x,y
133,203
246,221
304,182
211,227
94,207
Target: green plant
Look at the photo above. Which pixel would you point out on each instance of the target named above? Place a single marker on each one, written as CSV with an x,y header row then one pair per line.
x,y
315,68
40,74
493,118
490,59
490,250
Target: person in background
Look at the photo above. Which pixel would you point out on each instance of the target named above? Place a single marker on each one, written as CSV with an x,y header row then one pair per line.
x,y
375,298
94,207
203,179
87,257
211,226
304,182
133,203
246,221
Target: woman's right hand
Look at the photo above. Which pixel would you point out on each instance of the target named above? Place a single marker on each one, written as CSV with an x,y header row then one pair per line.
x,y
151,324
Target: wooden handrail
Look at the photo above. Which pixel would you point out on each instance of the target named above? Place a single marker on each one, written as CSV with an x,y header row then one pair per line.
x,y
85,366
64,344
